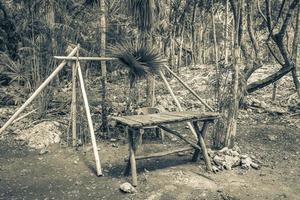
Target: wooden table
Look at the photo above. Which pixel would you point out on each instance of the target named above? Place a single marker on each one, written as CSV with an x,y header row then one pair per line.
x,y
135,124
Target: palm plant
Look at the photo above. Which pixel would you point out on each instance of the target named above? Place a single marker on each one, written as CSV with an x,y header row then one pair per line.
x,y
140,60
14,70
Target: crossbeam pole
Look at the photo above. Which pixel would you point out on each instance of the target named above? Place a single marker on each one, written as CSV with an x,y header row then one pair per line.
x,y
85,58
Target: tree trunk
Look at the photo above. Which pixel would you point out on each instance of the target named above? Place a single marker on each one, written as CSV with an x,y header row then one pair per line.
x,y
295,52
234,99
103,65
179,61
226,33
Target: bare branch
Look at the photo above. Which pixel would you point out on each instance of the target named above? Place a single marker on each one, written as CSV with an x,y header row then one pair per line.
x,y
260,12
268,15
287,18
273,54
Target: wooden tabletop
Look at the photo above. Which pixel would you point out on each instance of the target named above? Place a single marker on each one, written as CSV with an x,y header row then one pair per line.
x,y
139,121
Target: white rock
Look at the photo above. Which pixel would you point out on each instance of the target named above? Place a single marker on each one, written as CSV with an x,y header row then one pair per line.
x,y
272,137
246,163
127,188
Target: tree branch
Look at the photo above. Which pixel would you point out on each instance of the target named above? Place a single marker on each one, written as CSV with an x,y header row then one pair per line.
x,y
285,24
270,79
260,12
273,54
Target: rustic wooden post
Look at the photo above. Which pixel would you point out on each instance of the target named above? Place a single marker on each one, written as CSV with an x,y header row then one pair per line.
x,y
203,147
89,119
203,134
73,105
132,156
40,88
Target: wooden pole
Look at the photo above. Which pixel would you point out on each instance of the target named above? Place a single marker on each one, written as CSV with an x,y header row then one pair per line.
x,y
90,123
153,93
85,58
40,88
74,102
176,101
201,142
132,157
161,154
180,136
189,89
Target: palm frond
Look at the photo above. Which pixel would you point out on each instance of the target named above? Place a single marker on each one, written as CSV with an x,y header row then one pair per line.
x,y
139,60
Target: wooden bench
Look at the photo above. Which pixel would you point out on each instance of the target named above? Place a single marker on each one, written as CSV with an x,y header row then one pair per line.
x,y
135,124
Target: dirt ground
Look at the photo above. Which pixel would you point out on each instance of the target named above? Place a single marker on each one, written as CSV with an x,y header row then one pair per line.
x,y
266,132
65,173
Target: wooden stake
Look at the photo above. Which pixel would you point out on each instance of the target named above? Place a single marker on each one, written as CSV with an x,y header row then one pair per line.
x,y
132,156
176,101
90,123
189,89
73,105
40,88
203,147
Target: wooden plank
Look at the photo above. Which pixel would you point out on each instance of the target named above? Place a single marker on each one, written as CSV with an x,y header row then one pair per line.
x,y
192,116
161,154
151,118
163,118
127,121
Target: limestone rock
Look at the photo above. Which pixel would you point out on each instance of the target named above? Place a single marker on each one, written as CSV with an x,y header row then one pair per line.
x,y
127,188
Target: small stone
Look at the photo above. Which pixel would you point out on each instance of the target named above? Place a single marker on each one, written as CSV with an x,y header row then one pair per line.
x,y
181,154
43,151
115,145
246,163
113,139
215,169
234,153
218,160
272,137
254,165
127,188
224,150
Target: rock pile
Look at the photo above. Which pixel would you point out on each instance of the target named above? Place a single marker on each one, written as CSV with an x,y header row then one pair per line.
x,y
230,158
41,135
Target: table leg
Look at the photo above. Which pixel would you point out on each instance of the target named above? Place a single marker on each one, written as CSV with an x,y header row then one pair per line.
x,y
203,134
202,145
133,144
